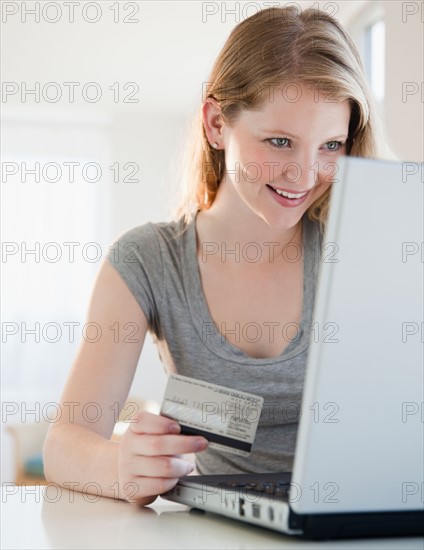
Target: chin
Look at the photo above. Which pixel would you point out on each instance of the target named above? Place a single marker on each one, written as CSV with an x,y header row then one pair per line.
x,y
284,220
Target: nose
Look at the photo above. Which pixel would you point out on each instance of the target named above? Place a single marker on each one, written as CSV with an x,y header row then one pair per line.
x,y
302,173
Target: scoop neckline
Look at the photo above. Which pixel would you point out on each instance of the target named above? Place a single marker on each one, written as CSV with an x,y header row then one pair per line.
x,y
201,316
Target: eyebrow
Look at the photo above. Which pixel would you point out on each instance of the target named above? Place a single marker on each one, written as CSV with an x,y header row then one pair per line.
x,y
341,136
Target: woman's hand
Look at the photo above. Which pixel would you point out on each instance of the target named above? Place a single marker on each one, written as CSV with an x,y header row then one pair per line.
x,y
148,462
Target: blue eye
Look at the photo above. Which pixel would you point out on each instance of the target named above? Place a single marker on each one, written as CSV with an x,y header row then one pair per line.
x,y
338,145
279,145
282,143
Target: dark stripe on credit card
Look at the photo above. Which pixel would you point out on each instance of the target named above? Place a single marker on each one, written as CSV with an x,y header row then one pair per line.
x,y
215,438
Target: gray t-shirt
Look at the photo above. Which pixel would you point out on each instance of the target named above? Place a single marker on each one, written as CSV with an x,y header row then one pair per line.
x,y
159,264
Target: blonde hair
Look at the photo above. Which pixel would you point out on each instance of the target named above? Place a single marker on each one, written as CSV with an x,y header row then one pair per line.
x,y
276,47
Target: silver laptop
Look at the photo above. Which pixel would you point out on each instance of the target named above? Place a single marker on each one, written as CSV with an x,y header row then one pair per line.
x,y
359,461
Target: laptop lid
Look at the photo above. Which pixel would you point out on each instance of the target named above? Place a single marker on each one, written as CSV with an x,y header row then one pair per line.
x,y
361,432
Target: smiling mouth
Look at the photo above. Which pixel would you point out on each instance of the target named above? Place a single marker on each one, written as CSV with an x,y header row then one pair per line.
x,y
288,195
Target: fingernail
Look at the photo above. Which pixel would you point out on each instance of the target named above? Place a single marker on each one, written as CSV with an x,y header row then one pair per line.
x,y
201,444
190,468
174,428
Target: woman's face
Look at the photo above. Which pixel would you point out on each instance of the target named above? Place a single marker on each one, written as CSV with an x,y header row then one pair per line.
x,y
290,144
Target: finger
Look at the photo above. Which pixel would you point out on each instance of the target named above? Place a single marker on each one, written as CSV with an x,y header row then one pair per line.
x,y
153,445
160,466
148,423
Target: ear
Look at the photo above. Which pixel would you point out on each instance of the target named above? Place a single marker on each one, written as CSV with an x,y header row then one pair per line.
x,y
213,121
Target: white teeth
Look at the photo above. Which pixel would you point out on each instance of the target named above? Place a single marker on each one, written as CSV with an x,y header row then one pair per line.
x,y
290,195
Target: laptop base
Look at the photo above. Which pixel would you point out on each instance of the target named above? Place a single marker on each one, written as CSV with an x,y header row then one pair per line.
x,y
232,496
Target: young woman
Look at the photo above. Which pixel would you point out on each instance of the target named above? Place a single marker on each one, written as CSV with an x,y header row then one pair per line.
x,y
227,287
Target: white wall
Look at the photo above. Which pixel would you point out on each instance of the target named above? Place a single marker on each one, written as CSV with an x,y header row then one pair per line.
x,y
404,106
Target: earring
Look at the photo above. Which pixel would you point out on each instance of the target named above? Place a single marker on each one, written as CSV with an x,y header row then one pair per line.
x,y
215,145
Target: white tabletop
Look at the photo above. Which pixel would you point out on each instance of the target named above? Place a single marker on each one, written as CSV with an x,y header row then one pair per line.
x,y
53,517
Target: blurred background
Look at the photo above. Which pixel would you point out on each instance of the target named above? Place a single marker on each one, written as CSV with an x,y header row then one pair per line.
x,y
95,101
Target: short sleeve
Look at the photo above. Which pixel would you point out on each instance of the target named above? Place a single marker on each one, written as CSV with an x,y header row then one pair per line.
x,y
136,255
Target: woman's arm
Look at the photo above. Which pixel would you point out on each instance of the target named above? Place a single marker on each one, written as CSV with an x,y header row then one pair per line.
x,y
77,448
78,453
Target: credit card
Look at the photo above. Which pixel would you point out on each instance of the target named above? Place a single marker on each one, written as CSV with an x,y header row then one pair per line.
x,y
226,417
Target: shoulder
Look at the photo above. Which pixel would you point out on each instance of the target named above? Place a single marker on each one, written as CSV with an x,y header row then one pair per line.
x,y
146,242
149,234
